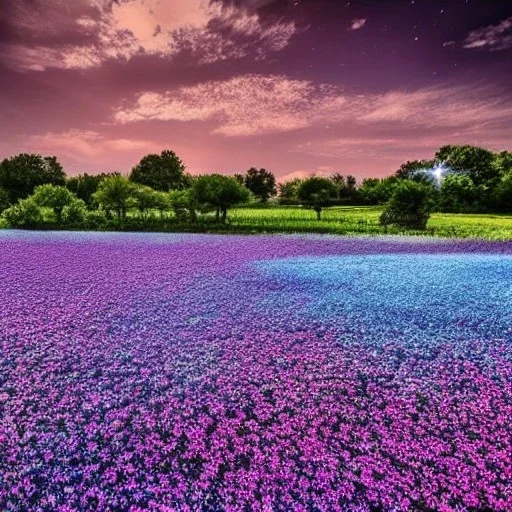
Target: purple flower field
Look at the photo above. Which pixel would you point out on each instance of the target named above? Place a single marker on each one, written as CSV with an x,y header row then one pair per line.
x,y
231,373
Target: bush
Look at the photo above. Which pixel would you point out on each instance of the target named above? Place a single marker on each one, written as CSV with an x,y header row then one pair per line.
x,y
74,213
25,213
116,193
410,206
4,200
55,197
95,219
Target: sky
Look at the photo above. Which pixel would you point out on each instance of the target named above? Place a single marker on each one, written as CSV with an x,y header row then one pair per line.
x,y
296,86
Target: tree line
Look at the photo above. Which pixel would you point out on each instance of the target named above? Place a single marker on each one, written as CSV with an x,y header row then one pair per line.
x,y
35,190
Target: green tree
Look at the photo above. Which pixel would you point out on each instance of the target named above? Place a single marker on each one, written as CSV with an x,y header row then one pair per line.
x,y
378,191
184,204
21,174
4,199
219,193
458,193
25,213
289,190
502,163
85,185
351,182
148,199
317,193
116,194
339,182
240,178
503,193
160,172
74,213
55,197
261,183
346,187
412,168
477,162
410,205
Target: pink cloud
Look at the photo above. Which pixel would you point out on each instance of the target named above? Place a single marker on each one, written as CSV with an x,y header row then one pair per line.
x,y
121,30
255,104
493,37
358,23
90,144
242,106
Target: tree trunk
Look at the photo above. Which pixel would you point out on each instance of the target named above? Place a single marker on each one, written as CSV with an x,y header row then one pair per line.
x,y
217,215
318,214
224,215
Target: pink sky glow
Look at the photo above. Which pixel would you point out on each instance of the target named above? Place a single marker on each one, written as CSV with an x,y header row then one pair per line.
x,y
297,87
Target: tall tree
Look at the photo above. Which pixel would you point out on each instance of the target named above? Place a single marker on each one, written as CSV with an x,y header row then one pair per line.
x,y
377,191
351,182
261,183
149,199
458,193
476,161
289,190
503,163
339,182
411,168
4,199
117,194
218,192
21,174
503,193
317,193
85,185
161,172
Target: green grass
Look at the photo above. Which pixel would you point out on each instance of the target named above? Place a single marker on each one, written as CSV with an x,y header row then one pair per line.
x,y
347,220
365,220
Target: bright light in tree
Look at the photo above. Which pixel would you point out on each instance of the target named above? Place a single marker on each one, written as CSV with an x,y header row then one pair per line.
x,y
438,174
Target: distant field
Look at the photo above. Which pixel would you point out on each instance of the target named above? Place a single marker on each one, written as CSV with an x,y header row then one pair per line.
x,y
342,220
346,220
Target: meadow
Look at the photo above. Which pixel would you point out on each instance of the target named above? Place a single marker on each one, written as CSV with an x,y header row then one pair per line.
x,y
191,372
365,220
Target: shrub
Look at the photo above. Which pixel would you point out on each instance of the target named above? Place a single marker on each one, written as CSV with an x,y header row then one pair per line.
x,y
410,206
183,205
25,213
95,219
116,193
55,197
74,213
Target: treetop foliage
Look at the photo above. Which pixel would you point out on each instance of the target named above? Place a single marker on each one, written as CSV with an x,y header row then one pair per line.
x,y
34,189
21,174
161,172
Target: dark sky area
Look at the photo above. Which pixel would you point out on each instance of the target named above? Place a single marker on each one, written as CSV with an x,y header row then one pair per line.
x,y
296,86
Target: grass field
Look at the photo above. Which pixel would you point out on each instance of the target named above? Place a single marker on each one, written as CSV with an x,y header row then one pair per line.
x,y
348,220
343,220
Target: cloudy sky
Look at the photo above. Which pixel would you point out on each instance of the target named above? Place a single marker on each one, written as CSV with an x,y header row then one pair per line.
x,y
296,86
